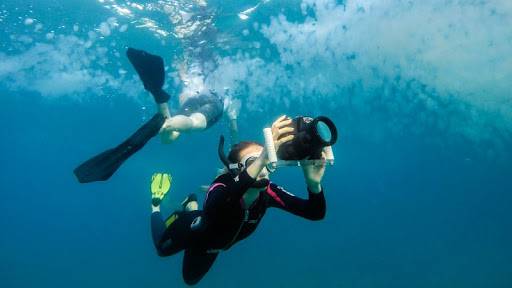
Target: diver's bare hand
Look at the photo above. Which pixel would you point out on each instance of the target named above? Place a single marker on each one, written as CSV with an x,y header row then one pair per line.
x,y
281,127
313,175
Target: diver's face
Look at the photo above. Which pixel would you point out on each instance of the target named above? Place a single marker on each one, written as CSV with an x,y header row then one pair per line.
x,y
254,150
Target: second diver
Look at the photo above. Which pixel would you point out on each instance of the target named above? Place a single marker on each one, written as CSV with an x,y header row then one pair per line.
x,y
198,110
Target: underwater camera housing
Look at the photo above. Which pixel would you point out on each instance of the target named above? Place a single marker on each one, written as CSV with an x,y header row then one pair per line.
x,y
312,137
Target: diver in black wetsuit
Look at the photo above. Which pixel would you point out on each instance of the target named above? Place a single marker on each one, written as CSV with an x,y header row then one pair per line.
x,y
233,207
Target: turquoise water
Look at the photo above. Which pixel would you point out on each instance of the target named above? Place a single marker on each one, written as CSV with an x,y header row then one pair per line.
x,y
420,192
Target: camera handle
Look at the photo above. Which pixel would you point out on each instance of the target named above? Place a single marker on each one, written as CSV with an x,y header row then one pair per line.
x,y
271,148
274,162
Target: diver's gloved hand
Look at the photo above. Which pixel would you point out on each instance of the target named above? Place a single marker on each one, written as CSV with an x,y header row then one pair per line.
x,y
160,185
151,71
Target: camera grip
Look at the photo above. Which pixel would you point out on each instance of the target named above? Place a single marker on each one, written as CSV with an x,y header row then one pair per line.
x,y
269,145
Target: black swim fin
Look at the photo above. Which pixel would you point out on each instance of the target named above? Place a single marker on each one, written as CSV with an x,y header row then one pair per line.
x,y
151,71
104,165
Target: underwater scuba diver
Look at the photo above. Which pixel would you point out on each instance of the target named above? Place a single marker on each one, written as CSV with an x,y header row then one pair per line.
x,y
198,111
200,107
234,205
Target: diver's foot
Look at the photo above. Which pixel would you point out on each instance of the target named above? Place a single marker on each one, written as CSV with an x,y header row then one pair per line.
x,y
167,126
160,185
151,71
168,136
190,203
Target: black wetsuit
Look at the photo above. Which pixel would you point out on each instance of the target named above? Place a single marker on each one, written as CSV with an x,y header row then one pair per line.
x,y
224,221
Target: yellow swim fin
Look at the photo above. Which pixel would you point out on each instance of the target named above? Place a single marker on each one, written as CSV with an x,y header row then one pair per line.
x,y
160,185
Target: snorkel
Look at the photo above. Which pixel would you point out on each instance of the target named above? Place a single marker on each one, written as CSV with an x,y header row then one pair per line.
x,y
233,169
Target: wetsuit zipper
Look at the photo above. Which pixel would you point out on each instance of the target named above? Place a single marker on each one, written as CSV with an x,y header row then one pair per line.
x,y
246,216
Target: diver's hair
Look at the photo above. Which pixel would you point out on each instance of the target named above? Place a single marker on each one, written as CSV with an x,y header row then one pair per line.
x,y
234,153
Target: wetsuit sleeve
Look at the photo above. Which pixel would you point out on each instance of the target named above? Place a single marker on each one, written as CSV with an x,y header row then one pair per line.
x,y
312,208
229,190
238,187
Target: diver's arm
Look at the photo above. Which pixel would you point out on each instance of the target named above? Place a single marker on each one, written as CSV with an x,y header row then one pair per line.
x,y
314,187
242,183
244,180
227,190
312,208
279,127
255,168
313,175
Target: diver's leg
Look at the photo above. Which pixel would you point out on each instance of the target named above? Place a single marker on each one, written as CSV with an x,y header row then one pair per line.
x,y
197,113
170,237
163,108
190,203
151,71
180,123
196,261
160,186
157,231
105,164
196,121
175,234
167,136
196,264
178,232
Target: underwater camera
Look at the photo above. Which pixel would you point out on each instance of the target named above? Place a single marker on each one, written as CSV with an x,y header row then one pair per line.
x,y
312,137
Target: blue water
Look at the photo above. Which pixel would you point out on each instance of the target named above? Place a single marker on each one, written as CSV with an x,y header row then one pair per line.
x,y
420,193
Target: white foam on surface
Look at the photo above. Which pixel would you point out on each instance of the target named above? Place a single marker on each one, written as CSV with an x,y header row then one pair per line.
x,y
397,54
137,6
104,29
429,52
64,68
122,11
